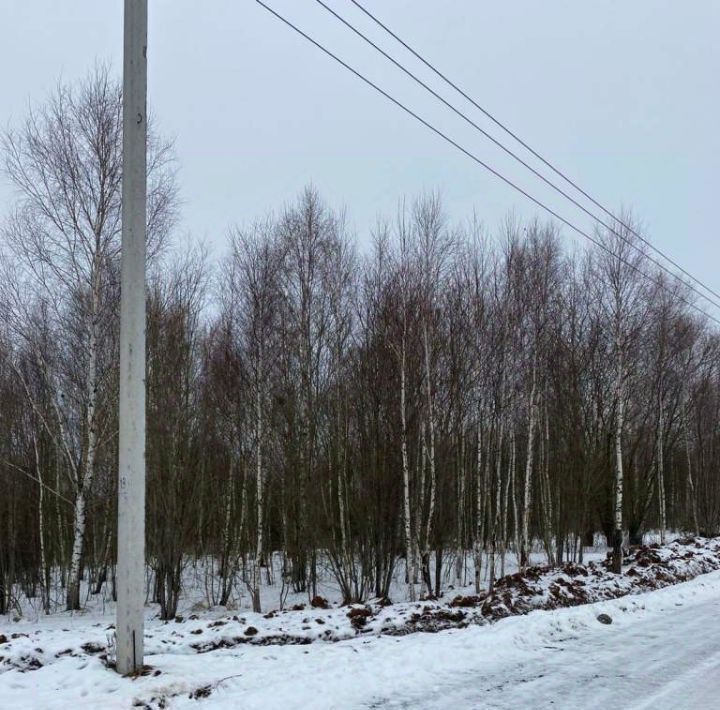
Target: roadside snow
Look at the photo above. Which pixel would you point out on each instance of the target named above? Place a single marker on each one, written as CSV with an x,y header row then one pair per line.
x,y
662,650
28,647
659,645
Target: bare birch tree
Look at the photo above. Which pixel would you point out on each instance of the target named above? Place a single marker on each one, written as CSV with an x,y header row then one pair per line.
x,y
66,165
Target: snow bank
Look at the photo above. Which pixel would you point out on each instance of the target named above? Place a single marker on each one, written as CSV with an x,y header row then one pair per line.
x,y
508,658
647,568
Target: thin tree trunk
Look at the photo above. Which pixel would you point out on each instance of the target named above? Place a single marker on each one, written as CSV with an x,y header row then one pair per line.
x,y
84,479
431,456
227,562
506,504
691,483
661,476
513,489
498,500
409,547
257,563
73,587
547,509
617,557
60,531
460,546
527,497
479,513
45,570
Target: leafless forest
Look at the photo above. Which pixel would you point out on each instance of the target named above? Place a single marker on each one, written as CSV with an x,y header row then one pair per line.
x,y
440,391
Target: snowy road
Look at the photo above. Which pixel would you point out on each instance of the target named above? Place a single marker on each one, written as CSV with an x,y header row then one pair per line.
x,y
669,661
661,651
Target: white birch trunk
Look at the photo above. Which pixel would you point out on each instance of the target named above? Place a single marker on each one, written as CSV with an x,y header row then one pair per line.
x,y
548,506
691,483
259,484
527,493
73,590
431,457
460,553
661,476
409,547
513,494
477,548
498,502
41,531
506,503
618,497
84,479
60,527
228,563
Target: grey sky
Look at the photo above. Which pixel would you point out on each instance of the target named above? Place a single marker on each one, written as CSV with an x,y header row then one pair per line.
x,y
622,95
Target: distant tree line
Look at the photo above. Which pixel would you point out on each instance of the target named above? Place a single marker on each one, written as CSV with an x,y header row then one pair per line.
x,y
440,398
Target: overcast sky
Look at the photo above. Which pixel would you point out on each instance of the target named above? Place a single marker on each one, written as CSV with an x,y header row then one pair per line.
x,y
621,95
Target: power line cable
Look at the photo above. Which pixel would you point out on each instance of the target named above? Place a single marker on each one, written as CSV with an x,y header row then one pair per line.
x,y
508,151
480,162
530,149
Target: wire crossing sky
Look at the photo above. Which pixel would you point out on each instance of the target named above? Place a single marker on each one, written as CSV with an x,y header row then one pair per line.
x,y
614,217
620,96
664,262
558,217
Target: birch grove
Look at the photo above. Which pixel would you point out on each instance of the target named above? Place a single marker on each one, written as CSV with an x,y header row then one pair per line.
x,y
422,406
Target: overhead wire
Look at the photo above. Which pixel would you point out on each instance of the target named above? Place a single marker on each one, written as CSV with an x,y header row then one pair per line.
x,y
479,161
531,150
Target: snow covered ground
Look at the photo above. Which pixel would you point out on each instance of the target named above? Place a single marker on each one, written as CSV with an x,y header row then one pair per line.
x,y
201,585
661,651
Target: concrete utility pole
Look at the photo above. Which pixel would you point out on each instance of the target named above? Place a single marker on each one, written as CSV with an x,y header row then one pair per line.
x,y
131,472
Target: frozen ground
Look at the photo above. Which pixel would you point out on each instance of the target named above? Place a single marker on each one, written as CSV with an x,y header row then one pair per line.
x,y
662,650
201,587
